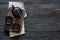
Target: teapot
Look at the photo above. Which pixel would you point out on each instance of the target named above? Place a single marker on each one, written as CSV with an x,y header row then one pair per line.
x,y
16,11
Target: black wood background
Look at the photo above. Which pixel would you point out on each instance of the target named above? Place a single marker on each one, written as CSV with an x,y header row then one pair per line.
x,y
41,24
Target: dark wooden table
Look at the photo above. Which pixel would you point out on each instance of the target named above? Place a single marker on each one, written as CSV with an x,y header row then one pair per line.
x,y
41,23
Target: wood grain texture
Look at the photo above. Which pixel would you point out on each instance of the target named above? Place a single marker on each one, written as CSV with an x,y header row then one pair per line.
x,y
37,27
